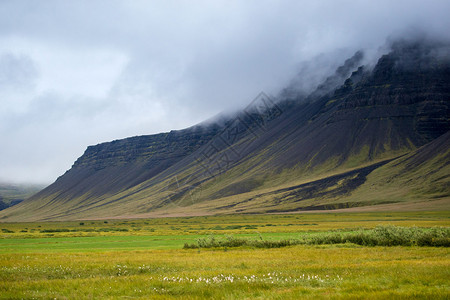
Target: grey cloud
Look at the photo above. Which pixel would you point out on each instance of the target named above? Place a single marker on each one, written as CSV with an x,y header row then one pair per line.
x,y
17,72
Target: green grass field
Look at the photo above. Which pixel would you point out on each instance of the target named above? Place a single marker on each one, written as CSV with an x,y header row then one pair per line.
x,y
122,259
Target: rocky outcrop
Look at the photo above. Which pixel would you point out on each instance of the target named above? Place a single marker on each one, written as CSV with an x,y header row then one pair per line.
x,y
151,149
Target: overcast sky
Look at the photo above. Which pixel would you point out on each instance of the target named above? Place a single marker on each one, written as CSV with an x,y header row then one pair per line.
x,y
77,73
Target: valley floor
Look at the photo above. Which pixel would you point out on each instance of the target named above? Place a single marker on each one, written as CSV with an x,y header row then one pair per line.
x,y
141,259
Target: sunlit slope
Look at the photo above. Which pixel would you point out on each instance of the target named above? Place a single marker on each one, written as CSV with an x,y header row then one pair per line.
x,y
323,152
421,177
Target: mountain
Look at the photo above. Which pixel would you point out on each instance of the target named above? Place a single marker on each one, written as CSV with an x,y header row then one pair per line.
x,y
12,194
362,132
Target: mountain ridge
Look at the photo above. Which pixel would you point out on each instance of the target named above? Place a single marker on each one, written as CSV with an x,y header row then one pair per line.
x,y
324,148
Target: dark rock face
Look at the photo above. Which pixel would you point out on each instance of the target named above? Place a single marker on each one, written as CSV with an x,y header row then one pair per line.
x,y
399,106
341,74
161,147
412,85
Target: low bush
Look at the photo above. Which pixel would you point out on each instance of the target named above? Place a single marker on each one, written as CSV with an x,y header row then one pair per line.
x,y
387,236
379,236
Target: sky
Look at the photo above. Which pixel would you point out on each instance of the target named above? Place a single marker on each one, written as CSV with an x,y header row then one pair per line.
x,y
78,73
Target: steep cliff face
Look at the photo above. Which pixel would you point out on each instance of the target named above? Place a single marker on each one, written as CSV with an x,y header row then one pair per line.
x,y
413,78
339,136
401,105
163,148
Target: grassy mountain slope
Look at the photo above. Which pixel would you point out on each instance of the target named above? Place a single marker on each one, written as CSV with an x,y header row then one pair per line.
x,y
334,149
420,176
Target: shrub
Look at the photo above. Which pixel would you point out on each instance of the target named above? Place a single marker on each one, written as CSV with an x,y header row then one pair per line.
x,y
232,242
379,236
388,236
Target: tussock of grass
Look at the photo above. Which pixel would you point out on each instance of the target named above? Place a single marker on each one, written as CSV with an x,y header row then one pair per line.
x,y
379,236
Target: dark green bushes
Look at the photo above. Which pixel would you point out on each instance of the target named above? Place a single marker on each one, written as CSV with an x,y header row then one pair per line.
x,y
435,237
379,236
387,236
230,242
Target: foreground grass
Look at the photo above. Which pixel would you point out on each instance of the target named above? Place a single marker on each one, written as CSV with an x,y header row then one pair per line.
x,y
150,262
300,271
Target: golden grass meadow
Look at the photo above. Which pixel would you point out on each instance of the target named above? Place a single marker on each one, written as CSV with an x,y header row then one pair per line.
x,y
147,258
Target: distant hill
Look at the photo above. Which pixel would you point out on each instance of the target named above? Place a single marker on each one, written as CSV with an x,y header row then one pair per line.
x,y
365,137
12,194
